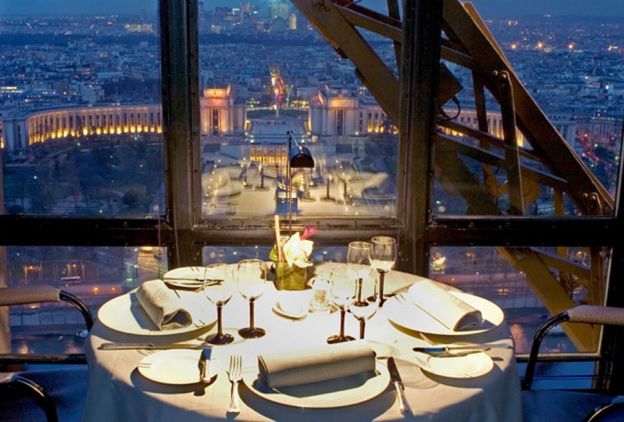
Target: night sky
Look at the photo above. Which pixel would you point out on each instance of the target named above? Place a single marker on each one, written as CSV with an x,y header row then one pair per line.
x,y
487,8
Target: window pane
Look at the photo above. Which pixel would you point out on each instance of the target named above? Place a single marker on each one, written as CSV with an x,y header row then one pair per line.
x,y
265,72
233,254
80,109
95,275
569,66
528,284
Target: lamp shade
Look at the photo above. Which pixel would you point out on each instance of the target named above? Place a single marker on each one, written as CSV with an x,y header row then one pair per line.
x,y
300,157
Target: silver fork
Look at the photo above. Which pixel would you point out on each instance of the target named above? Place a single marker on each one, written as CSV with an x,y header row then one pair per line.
x,y
235,375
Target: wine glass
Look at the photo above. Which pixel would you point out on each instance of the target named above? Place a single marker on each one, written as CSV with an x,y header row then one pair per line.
x,y
218,287
358,259
383,256
251,276
342,290
364,303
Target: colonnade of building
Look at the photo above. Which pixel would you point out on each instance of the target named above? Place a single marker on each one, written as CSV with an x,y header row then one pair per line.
x,y
75,122
220,115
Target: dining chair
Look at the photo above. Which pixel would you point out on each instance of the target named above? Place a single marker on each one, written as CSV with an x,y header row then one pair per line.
x,y
570,405
18,390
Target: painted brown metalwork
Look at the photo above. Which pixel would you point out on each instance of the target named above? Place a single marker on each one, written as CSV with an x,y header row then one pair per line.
x,y
467,42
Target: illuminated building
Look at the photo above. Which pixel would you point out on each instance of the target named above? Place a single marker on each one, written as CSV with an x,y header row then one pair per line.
x,y
75,122
219,115
340,113
292,22
280,9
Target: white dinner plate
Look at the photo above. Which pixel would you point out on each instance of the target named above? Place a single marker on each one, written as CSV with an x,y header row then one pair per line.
x,y
293,304
281,312
175,367
471,365
186,277
338,392
408,315
125,314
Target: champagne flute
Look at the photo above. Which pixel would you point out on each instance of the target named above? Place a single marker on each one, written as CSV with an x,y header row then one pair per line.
x,y
383,257
360,307
251,275
219,293
342,292
358,259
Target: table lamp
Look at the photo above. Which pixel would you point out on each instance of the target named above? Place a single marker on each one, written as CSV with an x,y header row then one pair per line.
x,y
298,157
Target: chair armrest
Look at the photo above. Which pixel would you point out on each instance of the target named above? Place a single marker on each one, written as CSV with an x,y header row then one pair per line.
x,y
40,294
28,294
589,314
593,314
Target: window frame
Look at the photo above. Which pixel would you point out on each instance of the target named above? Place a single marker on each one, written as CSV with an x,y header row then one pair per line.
x,y
183,231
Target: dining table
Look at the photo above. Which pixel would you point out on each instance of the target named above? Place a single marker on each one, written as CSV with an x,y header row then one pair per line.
x,y
118,391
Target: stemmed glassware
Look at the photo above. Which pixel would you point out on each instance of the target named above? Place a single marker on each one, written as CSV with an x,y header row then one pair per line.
x,y
383,257
252,275
364,303
362,306
219,292
358,260
342,292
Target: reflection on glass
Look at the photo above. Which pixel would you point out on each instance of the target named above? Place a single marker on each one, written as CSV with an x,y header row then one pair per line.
x,y
252,95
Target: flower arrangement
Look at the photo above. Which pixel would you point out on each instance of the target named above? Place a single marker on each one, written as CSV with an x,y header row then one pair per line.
x,y
292,258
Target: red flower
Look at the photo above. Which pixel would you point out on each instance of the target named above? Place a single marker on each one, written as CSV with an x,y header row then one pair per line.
x,y
308,232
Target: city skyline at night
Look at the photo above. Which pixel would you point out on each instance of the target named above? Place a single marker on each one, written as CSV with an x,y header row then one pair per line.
x,y
488,8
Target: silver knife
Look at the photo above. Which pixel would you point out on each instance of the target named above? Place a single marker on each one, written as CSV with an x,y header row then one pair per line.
x,y
150,346
441,349
204,361
398,386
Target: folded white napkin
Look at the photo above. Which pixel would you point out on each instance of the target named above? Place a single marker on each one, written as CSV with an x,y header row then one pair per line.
x,y
444,307
316,364
162,305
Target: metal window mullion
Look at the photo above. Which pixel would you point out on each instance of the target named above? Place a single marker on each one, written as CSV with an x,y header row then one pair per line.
x,y
611,367
419,78
32,230
181,124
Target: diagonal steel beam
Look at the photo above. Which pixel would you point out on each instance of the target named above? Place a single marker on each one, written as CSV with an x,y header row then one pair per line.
x,y
478,41
345,39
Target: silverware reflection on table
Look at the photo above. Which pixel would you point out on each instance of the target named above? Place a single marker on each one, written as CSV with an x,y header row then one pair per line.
x,y
235,374
194,280
204,361
395,377
444,349
150,346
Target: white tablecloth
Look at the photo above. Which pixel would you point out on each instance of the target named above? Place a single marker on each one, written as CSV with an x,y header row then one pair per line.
x,y
117,392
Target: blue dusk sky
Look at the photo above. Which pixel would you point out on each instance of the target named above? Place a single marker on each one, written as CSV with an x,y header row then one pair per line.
x,y
487,8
